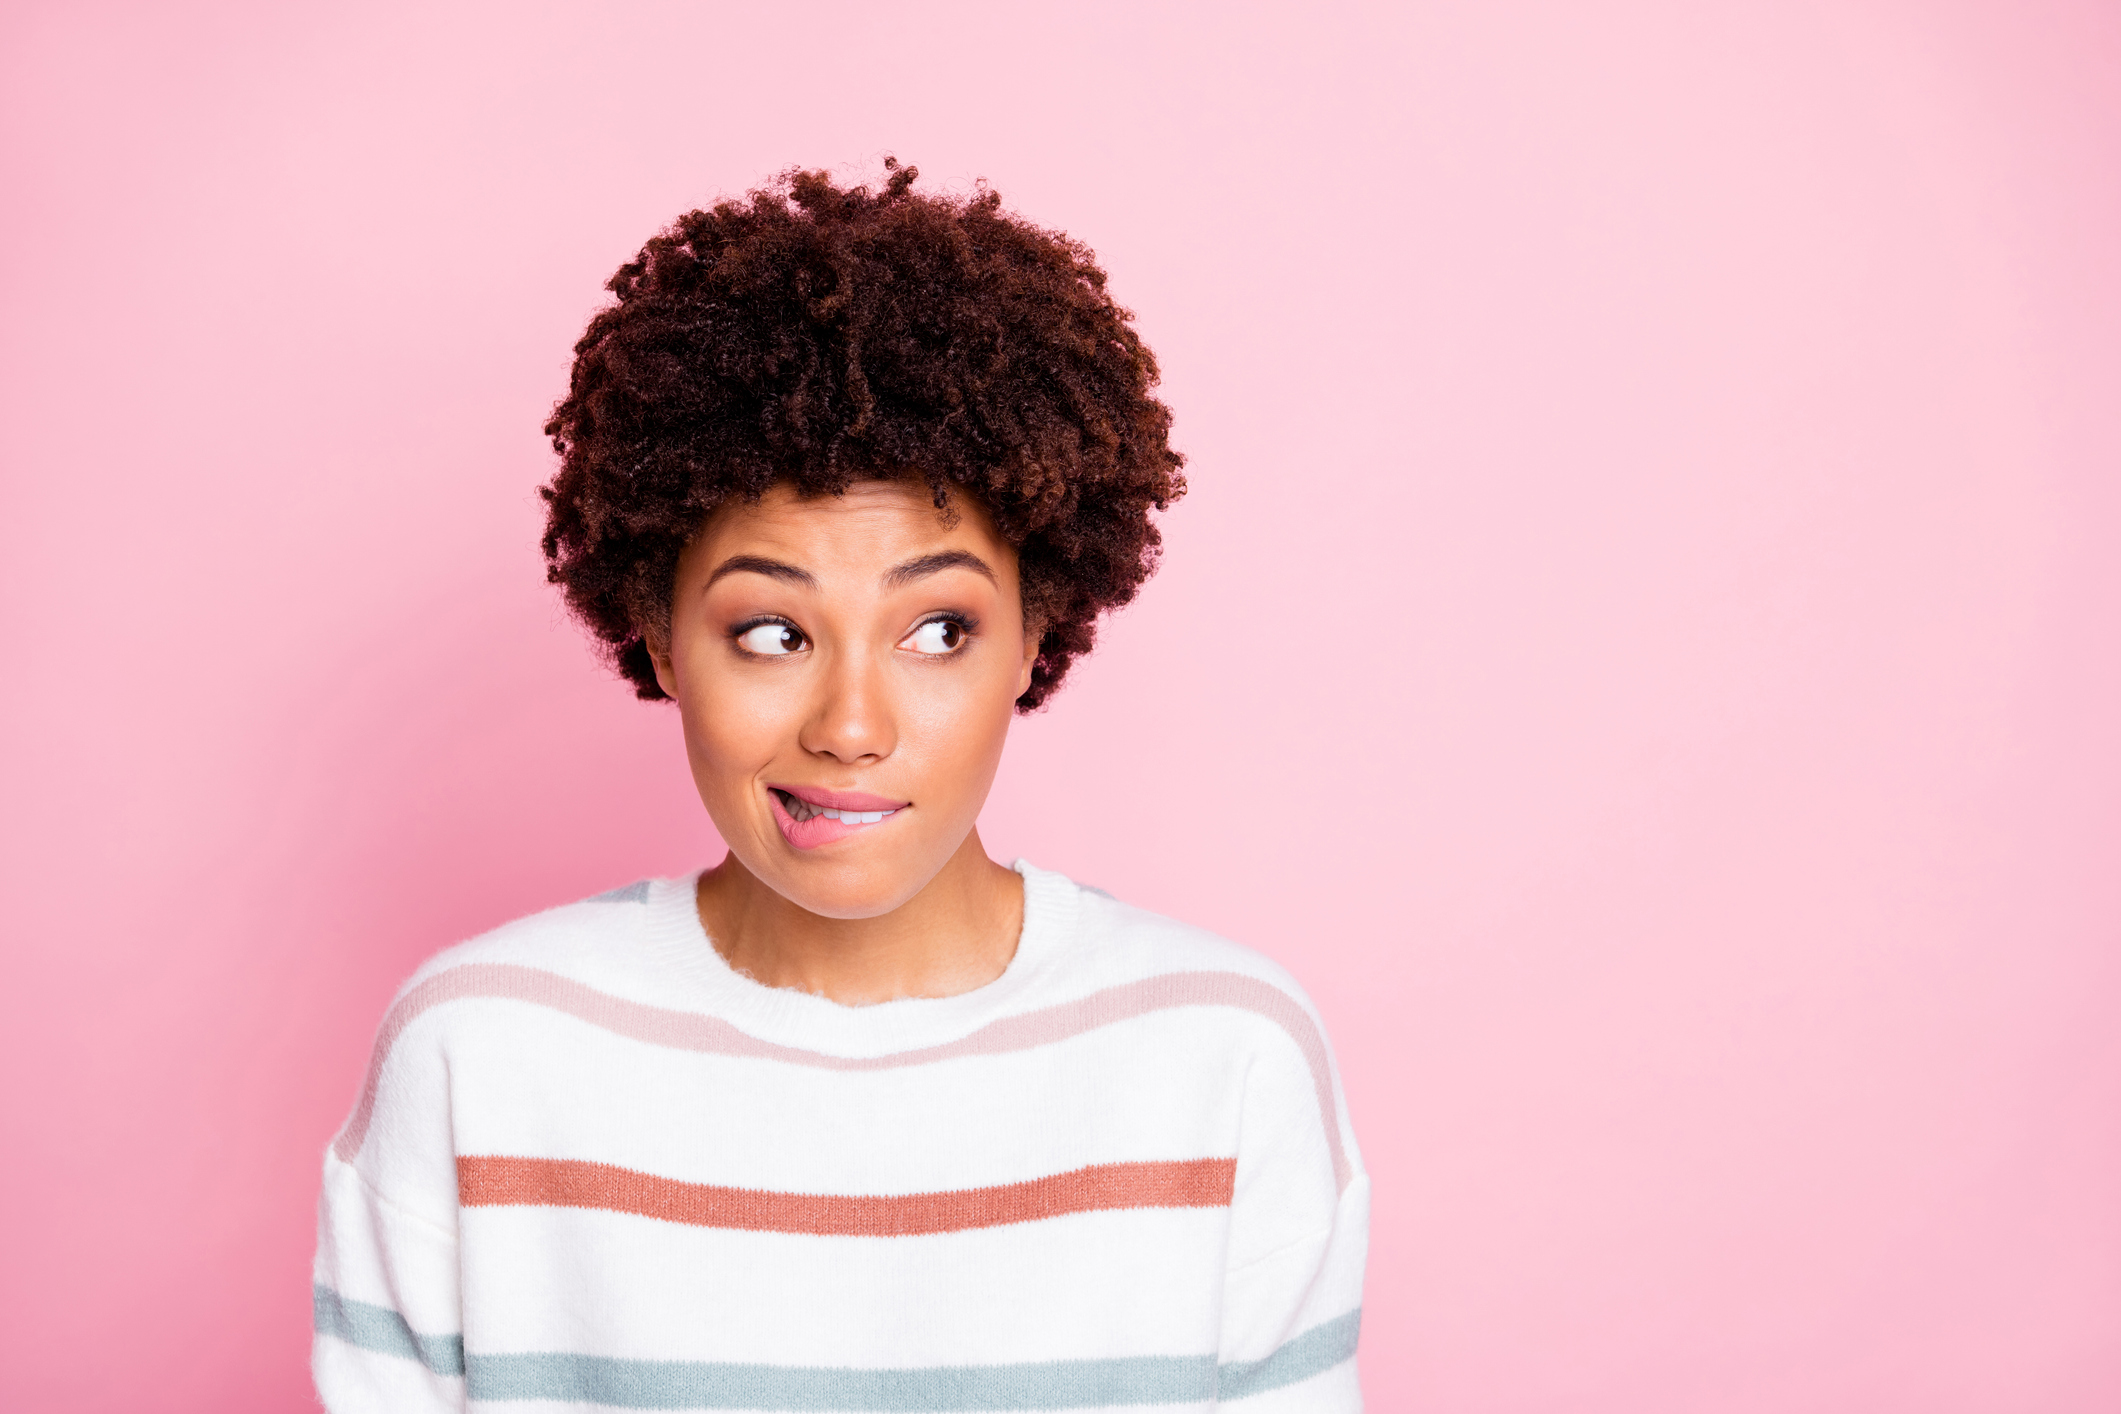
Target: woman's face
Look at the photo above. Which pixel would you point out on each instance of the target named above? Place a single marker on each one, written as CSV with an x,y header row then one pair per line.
x,y
848,654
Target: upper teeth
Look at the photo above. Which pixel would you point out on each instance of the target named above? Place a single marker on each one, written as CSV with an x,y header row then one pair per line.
x,y
804,810
854,817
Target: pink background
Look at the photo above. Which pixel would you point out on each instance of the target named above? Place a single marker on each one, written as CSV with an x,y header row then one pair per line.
x,y
1644,645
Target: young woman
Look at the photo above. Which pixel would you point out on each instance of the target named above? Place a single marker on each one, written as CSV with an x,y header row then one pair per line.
x,y
857,1119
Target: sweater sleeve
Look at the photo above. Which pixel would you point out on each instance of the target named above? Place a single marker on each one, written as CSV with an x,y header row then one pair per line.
x,y
1292,1290
389,1314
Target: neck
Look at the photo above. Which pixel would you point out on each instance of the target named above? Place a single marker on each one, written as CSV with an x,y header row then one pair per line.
x,y
956,934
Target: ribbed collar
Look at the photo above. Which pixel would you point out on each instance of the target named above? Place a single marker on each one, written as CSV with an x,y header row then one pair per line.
x,y
678,949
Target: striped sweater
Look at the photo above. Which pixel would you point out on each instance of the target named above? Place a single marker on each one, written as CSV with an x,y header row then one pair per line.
x,y
593,1167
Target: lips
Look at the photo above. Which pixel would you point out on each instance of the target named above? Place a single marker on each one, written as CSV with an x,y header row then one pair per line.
x,y
809,817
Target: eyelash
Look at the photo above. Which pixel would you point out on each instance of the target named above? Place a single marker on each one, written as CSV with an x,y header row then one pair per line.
x,y
738,630
965,622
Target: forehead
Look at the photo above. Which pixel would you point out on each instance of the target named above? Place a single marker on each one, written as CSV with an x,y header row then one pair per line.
x,y
873,524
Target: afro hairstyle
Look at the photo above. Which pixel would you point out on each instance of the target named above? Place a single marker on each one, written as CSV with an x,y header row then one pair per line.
x,y
820,335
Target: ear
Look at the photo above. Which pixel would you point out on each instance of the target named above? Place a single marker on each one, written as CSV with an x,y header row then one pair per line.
x,y
666,675
1034,632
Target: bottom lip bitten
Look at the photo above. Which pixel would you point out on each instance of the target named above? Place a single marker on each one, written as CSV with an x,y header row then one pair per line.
x,y
800,810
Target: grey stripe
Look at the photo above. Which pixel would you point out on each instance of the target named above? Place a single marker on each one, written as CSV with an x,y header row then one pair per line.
x,y
683,1384
635,892
1313,1353
687,1384
383,1330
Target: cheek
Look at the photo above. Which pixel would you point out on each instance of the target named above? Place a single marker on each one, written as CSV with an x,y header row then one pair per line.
x,y
729,734
958,729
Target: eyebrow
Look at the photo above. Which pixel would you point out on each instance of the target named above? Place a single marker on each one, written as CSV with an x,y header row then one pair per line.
x,y
895,577
759,564
926,565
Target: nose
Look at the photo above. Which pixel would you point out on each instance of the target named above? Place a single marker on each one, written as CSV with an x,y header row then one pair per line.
x,y
851,719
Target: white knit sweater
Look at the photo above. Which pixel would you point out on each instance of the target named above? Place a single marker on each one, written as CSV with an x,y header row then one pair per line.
x,y
593,1168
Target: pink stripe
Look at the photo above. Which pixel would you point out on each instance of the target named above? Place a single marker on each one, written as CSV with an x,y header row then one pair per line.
x,y
692,1031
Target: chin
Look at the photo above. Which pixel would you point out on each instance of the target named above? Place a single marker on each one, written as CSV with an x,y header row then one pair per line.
x,y
847,888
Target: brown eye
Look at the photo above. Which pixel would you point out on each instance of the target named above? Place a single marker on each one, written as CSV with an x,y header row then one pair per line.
x,y
772,640
937,636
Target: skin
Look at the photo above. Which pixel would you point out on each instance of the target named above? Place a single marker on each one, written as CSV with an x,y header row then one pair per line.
x,y
851,693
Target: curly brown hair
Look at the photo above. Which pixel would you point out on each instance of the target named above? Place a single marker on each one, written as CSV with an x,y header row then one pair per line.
x,y
821,335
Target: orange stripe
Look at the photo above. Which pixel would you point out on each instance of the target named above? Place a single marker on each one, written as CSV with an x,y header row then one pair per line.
x,y
497,1182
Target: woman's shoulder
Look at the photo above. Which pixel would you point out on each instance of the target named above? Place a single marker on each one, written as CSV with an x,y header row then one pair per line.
x,y
581,958
1130,962
1119,943
588,935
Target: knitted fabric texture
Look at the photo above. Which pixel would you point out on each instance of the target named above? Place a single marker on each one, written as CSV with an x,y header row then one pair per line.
x,y
593,1167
